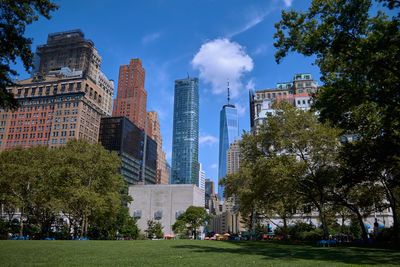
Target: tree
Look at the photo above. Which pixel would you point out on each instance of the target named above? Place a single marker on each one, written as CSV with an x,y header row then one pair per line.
x,y
179,227
359,59
314,148
245,185
90,184
27,176
15,15
193,218
154,229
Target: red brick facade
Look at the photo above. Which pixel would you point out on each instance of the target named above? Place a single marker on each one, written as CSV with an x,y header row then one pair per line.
x,y
131,100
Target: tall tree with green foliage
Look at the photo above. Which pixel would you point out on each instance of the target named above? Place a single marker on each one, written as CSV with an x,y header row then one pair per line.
x,y
193,217
358,54
311,150
90,183
27,176
15,16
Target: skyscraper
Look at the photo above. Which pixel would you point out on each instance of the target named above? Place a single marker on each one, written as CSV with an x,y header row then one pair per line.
x,y
153,130
120,135
131,99
228,130
185,140
233,158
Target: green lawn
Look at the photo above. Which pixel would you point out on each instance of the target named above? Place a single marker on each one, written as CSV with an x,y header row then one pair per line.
x,y
187,253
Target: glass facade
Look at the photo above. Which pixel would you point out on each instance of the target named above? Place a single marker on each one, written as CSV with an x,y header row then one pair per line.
x,y
185,140
228,130
121,135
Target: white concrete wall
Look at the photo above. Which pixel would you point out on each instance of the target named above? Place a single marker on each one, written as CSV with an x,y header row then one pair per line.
x,y
167,198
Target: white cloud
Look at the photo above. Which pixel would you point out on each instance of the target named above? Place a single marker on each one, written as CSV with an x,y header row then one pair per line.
x,y
260,50
150,37
250,24
250,85
288,3
219,60
208,140
213,166
241,109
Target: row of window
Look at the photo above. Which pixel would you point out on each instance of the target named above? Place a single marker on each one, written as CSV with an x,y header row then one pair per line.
x,y
46,90
29,143
26,136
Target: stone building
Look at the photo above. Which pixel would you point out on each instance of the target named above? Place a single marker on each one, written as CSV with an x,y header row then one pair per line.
x,y
163,203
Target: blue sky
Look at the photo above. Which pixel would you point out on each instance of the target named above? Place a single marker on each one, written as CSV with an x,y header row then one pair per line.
x,y
210,39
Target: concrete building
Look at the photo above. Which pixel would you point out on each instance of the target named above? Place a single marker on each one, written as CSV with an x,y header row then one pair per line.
x,y
121,135
53,110
131,100
228,131
153,130
163,203
185,139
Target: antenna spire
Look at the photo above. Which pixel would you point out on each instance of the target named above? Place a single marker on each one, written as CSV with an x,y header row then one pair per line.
x,y
228,93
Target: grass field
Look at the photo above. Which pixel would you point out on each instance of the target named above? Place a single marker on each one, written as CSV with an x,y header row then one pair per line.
x,y
187,253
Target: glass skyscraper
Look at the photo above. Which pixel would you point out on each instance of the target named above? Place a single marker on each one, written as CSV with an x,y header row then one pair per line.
x,y
228,130
185,139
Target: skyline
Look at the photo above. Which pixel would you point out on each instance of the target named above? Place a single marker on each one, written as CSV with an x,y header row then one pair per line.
x,y
217,42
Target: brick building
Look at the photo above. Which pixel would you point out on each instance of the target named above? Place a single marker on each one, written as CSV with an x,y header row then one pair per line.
x,y
52,111
153,130
64,99
131,100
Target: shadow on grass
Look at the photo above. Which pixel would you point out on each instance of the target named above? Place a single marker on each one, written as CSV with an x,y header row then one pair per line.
x,y
275,250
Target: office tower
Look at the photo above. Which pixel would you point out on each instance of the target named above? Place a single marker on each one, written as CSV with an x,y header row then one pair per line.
x,y
228,130
153,130
202,178
233,158
131,98
121,135
70,50
185,140
209,187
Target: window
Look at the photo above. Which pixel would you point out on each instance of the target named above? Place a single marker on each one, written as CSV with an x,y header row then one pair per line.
x,y
78,86
158,215
137,214
70,87
62,87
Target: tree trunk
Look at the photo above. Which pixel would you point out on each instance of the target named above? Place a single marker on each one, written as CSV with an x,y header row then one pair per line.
x,y
285,229
21,222
82,226
364,233
86,226
322,217
251,225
